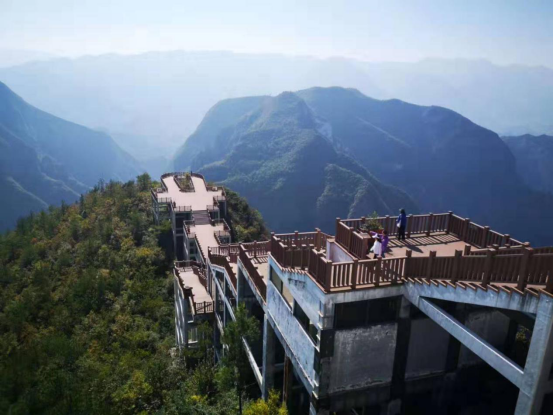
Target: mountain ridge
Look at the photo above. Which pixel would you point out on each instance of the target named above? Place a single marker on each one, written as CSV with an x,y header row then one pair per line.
x,y
46,159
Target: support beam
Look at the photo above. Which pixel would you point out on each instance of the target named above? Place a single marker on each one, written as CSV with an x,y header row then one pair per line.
x,y
473,342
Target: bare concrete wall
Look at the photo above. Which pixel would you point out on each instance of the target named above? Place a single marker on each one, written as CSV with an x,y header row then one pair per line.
x,y
362,357
291,331
337,254
304,290
492,326
427,348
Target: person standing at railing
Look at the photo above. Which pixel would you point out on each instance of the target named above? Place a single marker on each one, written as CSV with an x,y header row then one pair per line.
x,y
401,224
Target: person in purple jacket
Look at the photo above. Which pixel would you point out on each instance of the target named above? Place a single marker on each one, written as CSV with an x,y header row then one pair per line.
x,y
383,239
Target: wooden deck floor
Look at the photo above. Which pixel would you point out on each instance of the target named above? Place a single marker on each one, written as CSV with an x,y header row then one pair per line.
x,y
421,245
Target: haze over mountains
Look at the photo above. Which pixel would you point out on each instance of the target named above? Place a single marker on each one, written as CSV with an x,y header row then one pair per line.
x,y
44,159
151,102
534,156
305,157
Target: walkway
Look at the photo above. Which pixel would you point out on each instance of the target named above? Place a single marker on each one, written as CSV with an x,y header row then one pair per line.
x,y
199,199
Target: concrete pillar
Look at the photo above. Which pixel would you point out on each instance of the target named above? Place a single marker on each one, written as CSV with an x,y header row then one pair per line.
x,y
402,349
535,381
454,346
186,304
288,380
392,407
240,287
177,314
269,345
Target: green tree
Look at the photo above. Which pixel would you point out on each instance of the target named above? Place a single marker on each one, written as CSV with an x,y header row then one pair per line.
x,y
235,360
273,406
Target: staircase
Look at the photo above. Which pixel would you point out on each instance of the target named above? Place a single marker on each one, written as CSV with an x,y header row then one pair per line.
x,y
201,217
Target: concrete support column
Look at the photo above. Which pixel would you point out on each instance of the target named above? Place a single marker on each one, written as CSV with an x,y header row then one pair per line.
x,y
535,381
392,407
288,380
402,349
240,287
269,346
454,346
177,314
185,316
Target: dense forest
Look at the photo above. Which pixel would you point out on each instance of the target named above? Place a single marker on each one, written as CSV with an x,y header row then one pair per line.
x,y
87,315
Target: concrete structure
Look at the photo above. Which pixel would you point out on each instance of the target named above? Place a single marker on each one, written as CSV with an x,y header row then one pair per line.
x,y
345,332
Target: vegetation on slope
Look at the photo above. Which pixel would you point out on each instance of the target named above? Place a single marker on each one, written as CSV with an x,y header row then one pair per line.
x,y
87,314
246,223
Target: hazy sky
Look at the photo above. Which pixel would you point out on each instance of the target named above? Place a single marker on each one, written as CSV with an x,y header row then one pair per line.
x,y
503,31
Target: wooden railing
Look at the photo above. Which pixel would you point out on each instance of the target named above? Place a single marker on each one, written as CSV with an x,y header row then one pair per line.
x,y
520,266
155,195
217,257
246,259
257,248
181,208
348,236
203,308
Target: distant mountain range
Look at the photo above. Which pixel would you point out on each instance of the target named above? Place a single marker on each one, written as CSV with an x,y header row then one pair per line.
x,y
44,159
304,158
272,151
534,155
157,99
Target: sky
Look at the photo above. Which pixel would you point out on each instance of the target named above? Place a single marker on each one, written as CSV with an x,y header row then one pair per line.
x,y
502,31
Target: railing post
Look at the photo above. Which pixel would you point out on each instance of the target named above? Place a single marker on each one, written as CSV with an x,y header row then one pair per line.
x,y
409,225
365,247
354,273
484,240
328,276
317,266
506,239
431,257
303,250
488,267
296,237
449,220
363,219
429,223
456,266
523,270
254,249
318,239
350,237
408,256
387,223
378,271
337,227
467,250
466,229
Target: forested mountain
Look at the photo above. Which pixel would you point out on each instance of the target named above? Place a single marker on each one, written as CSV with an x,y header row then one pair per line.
x,y
159,98
304,158
87,313
44,159
534,158
278,157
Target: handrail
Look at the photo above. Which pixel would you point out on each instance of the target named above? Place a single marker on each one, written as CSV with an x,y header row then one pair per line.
x,y
253,272
521,266
463,228
222,262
